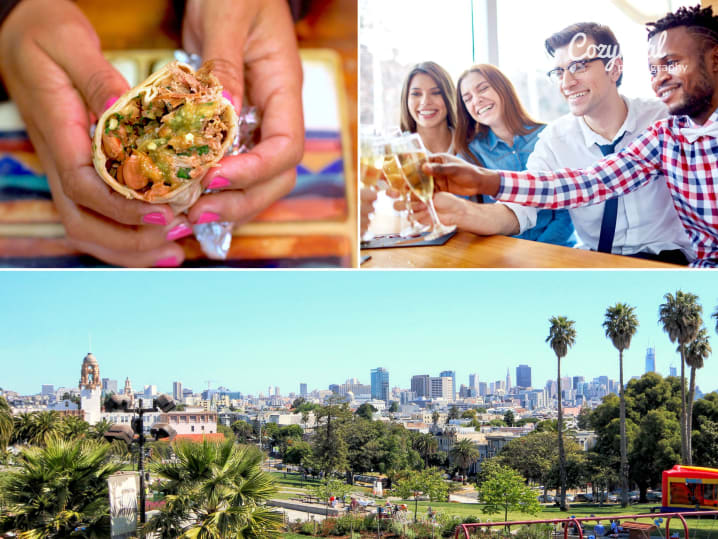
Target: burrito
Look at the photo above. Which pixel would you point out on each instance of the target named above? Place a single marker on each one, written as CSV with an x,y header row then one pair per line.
x,y
157,141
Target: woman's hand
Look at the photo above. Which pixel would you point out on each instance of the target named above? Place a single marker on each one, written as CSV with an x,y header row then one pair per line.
x,y
251,42
51,63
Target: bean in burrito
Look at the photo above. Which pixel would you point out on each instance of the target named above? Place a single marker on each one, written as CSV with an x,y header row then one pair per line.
x,y
158,140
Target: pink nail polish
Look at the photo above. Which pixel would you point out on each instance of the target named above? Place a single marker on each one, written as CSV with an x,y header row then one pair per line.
x,y
154,218
218,182
227,96
110,102
169,262
180,231
207,217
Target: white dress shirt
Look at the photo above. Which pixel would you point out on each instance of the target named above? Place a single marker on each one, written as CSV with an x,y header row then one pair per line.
x,y
646,221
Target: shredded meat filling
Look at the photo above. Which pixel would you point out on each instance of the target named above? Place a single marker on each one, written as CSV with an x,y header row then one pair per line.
x,y
166,134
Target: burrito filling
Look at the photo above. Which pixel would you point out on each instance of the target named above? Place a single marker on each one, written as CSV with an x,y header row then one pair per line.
x,y
165,135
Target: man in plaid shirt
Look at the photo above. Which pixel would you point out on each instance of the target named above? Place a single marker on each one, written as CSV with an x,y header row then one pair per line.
x,y
683,59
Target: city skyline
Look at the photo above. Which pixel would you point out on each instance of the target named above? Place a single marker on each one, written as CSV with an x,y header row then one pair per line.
x,y
252,330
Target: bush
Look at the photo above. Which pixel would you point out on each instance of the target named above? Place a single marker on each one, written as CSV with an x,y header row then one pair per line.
x,y
345,524
448,524
307,527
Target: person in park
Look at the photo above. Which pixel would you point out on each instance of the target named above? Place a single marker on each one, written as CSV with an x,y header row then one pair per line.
x,y
681,150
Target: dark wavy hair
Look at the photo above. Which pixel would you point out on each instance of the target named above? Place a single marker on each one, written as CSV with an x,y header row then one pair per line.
x,y
446,87
699,21
518,121
600,33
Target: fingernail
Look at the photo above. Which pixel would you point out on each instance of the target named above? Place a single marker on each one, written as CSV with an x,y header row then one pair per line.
x,y
228,96
110,102
154,218
207,217
169,262
180,231
218,182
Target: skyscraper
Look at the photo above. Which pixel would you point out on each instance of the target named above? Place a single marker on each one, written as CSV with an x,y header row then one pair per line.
x,y
177,391
452,375
380,384
651,359
672,371
508,380
420,385
474,382
303,390
523,376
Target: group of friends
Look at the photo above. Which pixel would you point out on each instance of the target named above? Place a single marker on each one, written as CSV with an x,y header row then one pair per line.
x,y
618,174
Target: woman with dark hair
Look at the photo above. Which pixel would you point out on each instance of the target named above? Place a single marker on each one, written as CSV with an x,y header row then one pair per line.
x,y
493,130
428,106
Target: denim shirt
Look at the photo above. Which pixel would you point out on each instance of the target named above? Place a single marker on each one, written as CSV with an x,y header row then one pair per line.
x,y
552,226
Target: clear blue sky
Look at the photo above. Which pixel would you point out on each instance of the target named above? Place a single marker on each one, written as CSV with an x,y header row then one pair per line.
x,y
249,330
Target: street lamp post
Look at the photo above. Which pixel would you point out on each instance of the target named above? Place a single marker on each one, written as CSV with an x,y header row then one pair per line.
x,y
127,434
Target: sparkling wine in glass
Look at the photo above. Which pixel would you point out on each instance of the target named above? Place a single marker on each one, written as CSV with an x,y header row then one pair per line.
x,y
412,155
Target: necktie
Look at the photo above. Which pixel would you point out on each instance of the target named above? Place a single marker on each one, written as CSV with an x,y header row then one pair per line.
x,y
610,209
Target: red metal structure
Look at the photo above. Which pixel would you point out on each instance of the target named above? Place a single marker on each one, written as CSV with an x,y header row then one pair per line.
x,y
576,522
689,488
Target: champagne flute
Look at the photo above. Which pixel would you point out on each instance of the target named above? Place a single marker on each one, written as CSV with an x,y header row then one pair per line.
x,y
412,155
371,164
395,178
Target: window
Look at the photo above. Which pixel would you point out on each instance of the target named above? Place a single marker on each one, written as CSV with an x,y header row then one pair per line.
x,y
393,36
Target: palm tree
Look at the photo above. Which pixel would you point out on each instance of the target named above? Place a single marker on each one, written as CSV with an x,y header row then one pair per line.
x,y
426,445
698,350
620,325
74,427
214,490
681,319
43,426
464,453
6,424
98,430
58,489
561,337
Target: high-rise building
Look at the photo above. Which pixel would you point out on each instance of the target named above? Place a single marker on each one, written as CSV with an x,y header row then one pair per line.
x,y
420,385
109,386
672,371
523,376
483,390
651,359
474,382
177,391
452,375
48,389
441,387
577,381
276,391
380,384
508,380
302,390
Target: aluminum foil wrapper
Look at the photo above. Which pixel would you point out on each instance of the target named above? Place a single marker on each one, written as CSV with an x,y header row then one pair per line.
x,y
216,238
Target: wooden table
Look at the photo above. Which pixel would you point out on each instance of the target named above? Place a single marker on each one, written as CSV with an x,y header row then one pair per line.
x,y
466,250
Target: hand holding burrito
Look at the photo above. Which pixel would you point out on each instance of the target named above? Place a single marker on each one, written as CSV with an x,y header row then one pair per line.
x,y
51,63
254,51
160,138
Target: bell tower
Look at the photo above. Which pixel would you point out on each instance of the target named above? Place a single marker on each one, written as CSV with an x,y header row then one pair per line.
x,y
90,389
90,373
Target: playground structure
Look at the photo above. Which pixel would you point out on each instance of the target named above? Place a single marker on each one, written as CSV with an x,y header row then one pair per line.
x,y
572,527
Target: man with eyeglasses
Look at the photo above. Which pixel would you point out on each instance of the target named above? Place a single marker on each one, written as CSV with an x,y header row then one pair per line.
x,y
681,151
588,72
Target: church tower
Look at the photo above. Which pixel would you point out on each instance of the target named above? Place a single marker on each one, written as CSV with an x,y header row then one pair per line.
x,y
90,389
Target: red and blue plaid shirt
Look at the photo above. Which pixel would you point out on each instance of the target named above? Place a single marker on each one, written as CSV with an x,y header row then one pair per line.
x,y
690,169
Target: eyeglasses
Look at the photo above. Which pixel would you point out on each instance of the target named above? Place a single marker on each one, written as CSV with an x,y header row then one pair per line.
x,y
575,68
